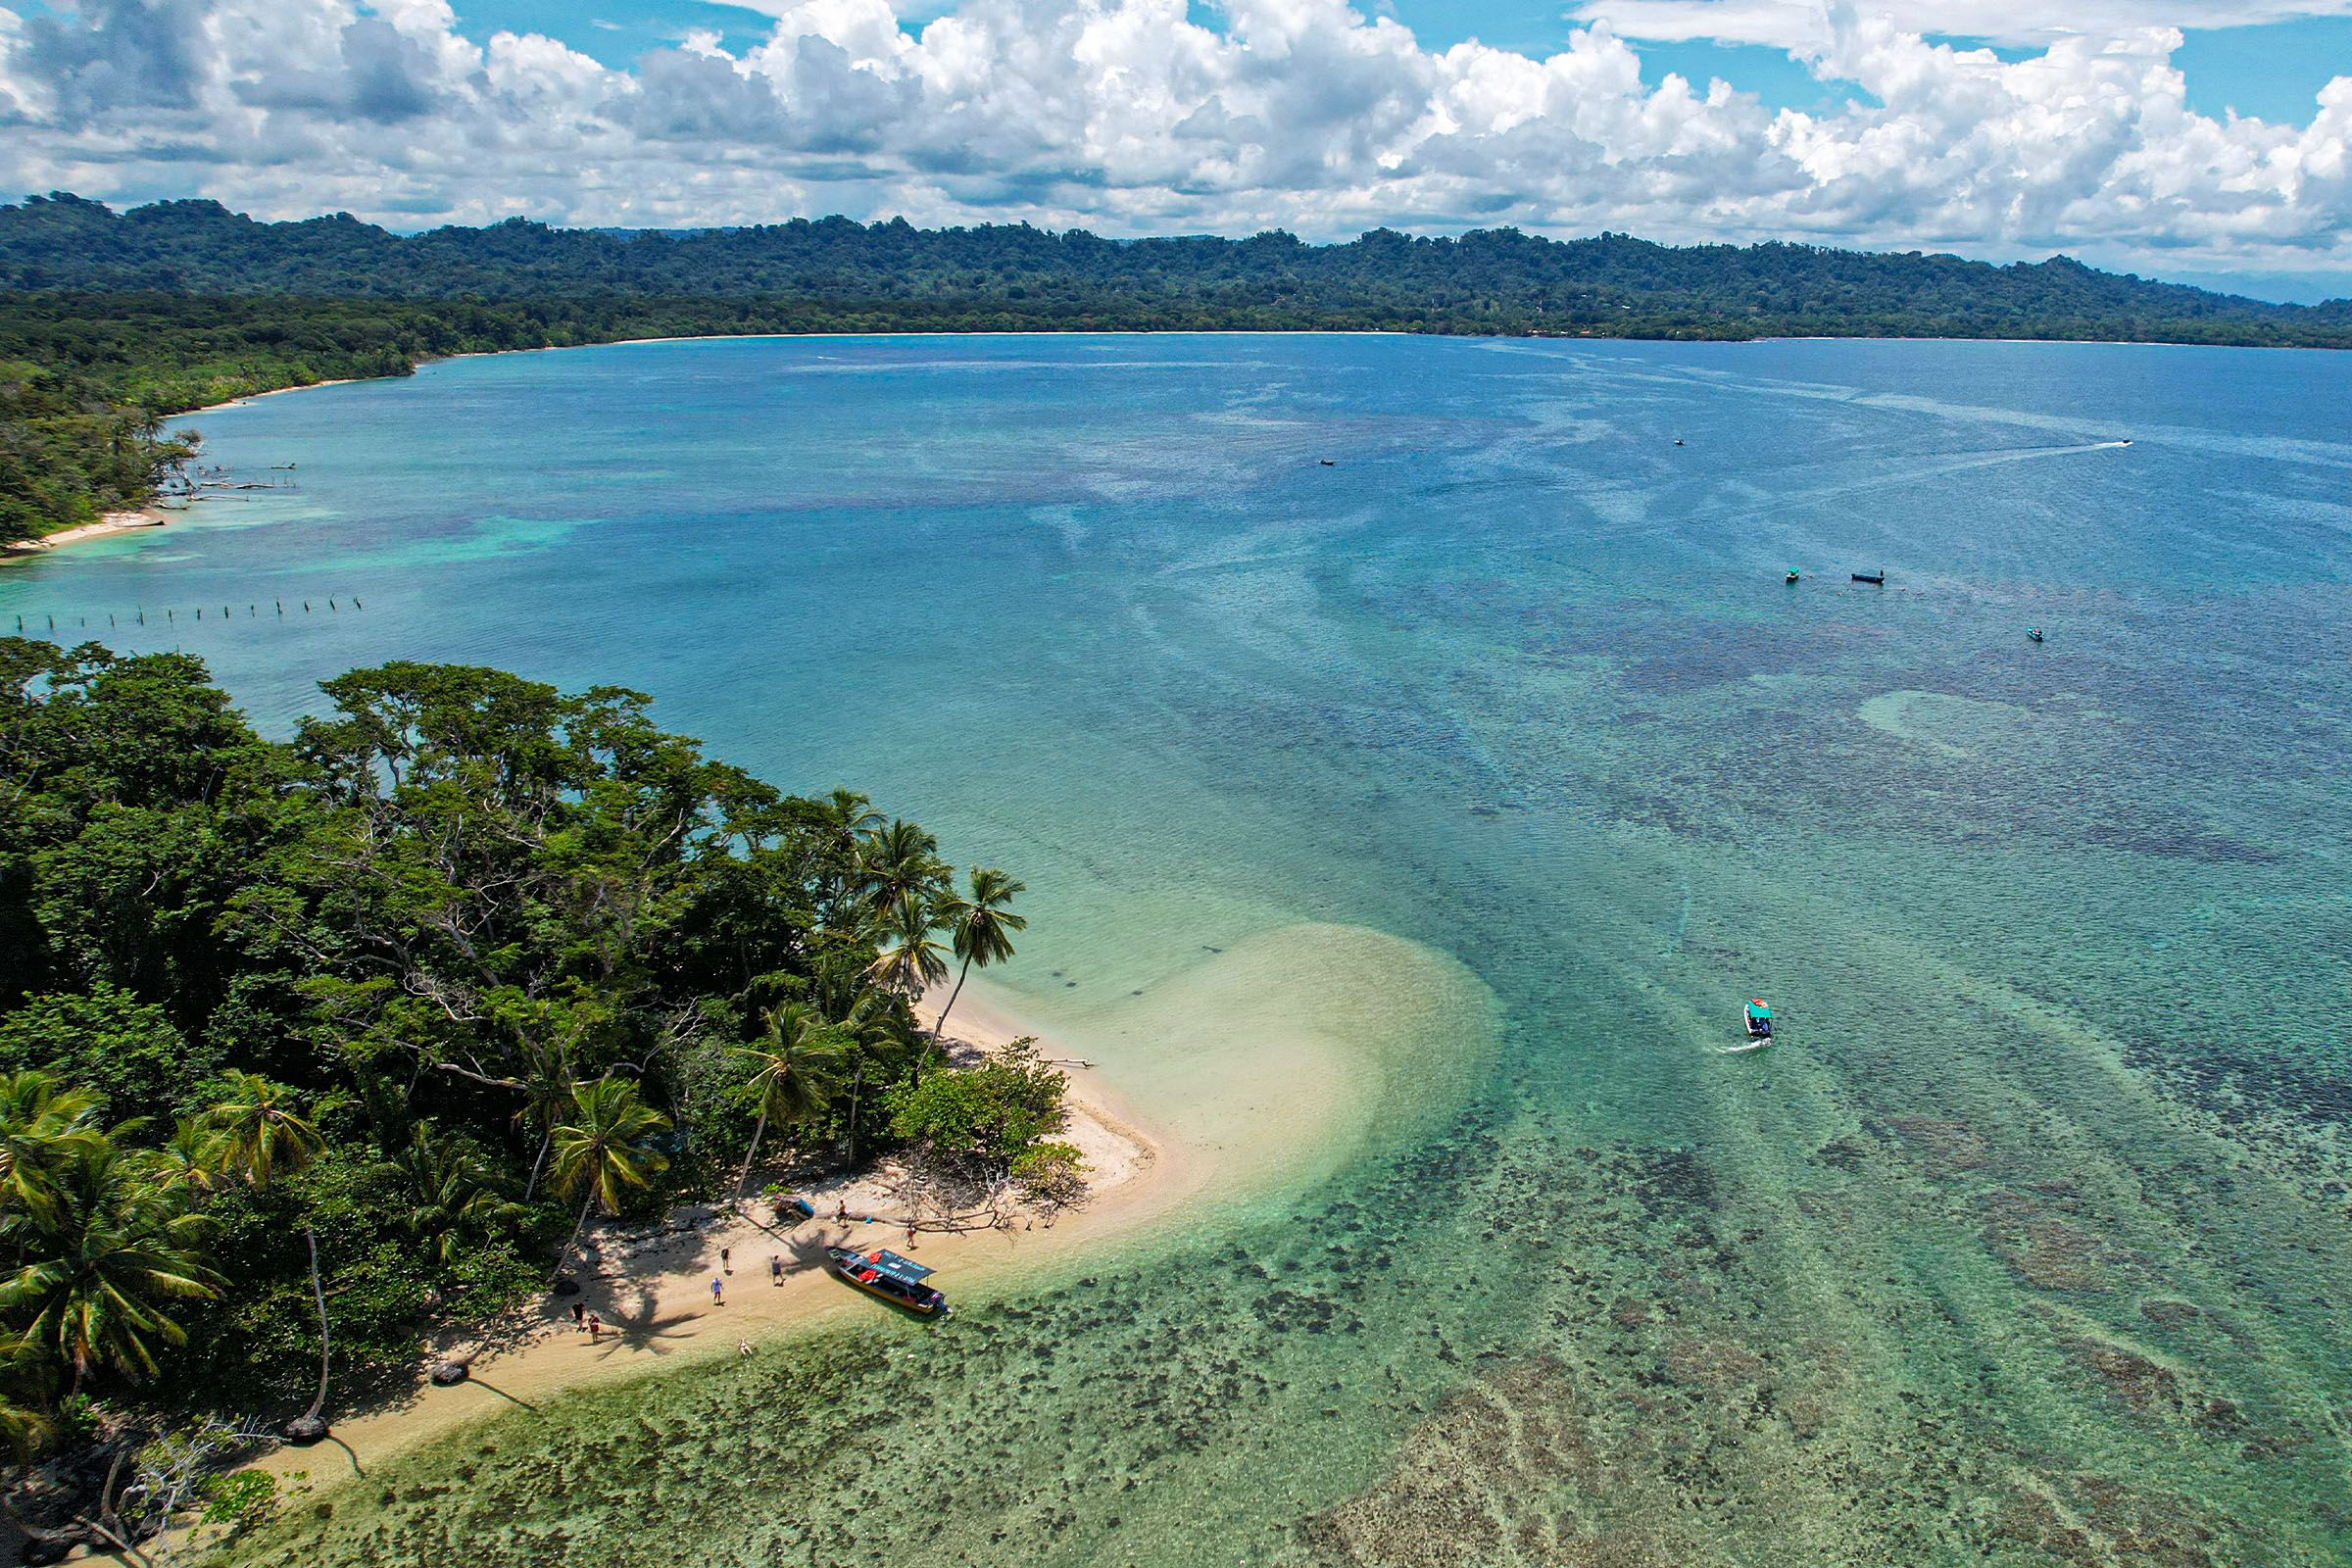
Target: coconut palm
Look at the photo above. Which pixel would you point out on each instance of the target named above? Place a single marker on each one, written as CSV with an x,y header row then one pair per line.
x,y
260,1133
909,962
602,1149
796,1071
898,862
22,1428
189,1165
455,1196
102,1262
42,1128
981,925
261,1129
547,1100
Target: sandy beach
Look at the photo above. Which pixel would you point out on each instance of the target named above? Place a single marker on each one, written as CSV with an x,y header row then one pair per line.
x,y
650,1283
1263,1067
112,523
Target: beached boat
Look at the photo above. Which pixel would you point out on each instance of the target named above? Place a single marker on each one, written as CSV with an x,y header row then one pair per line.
x,y
884,1273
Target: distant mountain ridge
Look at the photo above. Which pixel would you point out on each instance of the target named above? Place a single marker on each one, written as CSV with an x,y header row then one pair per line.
x,y
1498,280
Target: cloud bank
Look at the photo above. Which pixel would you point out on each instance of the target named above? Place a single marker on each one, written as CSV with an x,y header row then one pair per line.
x,y
1125,117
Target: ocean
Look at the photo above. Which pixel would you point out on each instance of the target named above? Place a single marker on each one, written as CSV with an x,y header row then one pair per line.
x,y
1448,696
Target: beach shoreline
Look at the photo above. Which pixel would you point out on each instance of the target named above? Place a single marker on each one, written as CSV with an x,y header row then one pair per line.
x,y
129,520
649,1282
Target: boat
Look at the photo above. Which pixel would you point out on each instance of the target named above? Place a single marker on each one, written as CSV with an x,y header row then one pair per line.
x,y
1878,576
1758,1018
1327,462
2033,634
885,1274
1792,574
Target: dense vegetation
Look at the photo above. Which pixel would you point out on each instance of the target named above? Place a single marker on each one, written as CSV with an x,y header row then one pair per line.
x,y
109,321
353,1033
1497,281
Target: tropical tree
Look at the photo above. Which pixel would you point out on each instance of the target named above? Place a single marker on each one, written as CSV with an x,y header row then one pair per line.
x,y
603,1150
547,1098
43,1128
100,1261
909,962
455,1198
900,862
796,1071
982,925
23,1428
189,1163
261,1132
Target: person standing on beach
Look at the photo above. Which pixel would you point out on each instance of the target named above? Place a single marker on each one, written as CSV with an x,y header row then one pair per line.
x,y
775,1269
579,1311
596,1329
718,1291
725,1266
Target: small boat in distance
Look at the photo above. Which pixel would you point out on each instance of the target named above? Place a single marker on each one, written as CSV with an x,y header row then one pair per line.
x,y
1792,574
1878,576
1327,462
884,1273
1758,1020
2033,634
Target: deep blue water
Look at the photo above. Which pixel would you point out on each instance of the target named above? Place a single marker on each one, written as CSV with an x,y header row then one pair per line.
x,y
2028,1244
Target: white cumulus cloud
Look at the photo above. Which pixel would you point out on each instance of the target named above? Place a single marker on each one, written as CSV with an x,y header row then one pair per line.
x,y
1129,116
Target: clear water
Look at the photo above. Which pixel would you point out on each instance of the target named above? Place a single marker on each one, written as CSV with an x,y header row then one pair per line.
x,y
2027,1245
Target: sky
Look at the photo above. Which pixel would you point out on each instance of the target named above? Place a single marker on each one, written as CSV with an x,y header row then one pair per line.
x,y
2207,140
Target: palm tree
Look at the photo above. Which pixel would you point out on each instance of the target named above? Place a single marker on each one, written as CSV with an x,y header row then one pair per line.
x,y
102,1260
898,862
260,1133
22,1428
602,1149
911,963
794,1071
189,1165
547,1100
42,1129
982,926
454,1192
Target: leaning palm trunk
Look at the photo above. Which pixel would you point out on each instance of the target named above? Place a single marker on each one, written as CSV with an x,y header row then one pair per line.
x,y
325,1344
539,1164
573,1240
951,1007
745,1175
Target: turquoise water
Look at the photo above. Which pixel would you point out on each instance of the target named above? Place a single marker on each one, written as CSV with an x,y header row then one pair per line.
x,y
2027,1245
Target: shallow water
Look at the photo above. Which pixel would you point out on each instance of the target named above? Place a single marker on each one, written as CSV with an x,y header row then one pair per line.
x,y
2027,1244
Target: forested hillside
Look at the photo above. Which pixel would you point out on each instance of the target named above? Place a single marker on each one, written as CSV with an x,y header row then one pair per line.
x,y
111,322
1495,279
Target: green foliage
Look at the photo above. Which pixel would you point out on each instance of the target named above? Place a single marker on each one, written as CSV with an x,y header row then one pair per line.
x,y
124,1048
464,961
239,1499
1055,1171
982,1119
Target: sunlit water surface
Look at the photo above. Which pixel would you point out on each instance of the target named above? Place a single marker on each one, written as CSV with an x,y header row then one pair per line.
x,y
2025,1245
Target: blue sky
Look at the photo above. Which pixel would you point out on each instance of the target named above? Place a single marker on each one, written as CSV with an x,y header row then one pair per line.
x,y
2271,70
2048,129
